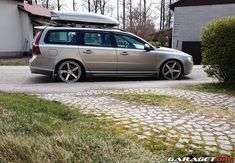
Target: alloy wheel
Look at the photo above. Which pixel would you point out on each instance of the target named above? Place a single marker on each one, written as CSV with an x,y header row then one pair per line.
x,y
172,70
69,71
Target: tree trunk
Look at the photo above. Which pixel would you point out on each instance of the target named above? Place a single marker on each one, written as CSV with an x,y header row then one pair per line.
x,y
124,14
170,15
58,5
141,18
74,5
47,4
36,2
145,13
131,16
118,10
89,5
162,15
96,6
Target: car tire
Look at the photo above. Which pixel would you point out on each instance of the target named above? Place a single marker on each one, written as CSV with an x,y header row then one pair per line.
x,y
69,71
171,70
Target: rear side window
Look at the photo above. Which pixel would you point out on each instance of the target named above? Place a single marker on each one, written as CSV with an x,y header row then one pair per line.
x,y
62,37
97,39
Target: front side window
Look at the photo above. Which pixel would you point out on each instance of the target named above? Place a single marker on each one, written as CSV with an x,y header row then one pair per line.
x,y
97,39
124,41
62,37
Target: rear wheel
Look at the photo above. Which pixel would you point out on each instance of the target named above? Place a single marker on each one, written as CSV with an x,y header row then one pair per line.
x,y
69,71
172,70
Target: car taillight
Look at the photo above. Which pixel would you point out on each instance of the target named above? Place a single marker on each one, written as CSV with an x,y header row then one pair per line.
x,y
36,49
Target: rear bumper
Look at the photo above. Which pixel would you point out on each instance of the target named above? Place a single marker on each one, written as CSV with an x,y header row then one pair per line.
x,y
39,65
36,70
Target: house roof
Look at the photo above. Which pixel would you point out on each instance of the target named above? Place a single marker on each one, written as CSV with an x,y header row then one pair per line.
x,y
182,3
35,10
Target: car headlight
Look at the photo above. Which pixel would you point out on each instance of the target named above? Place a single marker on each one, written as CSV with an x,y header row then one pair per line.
x,y
190,59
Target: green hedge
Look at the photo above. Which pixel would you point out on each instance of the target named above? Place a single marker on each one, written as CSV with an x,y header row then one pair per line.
x,y
218,56
155,43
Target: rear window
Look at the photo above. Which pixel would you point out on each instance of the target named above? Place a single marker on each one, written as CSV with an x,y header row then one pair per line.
x,y
62,37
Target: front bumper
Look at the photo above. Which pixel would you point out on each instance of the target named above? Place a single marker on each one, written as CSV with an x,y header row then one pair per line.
x,y
188,67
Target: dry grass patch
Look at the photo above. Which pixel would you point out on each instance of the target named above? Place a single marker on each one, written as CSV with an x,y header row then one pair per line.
x,y
218,88
14,62
176,103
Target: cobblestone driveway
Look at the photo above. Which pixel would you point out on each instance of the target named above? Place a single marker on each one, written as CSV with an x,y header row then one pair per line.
x,y
174,125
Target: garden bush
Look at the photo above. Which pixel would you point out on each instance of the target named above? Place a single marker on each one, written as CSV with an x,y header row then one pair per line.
x,y
218,46
155,43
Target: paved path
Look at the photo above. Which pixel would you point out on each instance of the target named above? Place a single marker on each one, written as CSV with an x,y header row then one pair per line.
x,y
174,125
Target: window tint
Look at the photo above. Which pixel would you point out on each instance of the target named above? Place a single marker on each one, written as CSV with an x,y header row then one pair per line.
x,y
97,39
124,41
62,37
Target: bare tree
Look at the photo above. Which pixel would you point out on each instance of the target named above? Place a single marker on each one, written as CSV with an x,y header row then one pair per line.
x,y
89,5
118,10
74,5
140,12
92,5
162,14
59,5
145,13
165,14
169,14
130,14
47,4
139,19
95,6
124,15
98,6
103,4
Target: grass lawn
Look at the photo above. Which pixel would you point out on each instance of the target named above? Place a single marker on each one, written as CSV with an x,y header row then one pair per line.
x,y
213,88
36,130
14,62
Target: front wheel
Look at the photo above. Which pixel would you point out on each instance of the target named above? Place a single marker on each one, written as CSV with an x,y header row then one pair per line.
x,y
69,71
172,70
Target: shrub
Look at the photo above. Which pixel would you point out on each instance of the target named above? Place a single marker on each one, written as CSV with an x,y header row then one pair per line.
x,y
218,45
155,43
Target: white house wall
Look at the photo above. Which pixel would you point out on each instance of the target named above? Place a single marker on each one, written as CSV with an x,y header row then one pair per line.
x,y
189,21
14,29
27,31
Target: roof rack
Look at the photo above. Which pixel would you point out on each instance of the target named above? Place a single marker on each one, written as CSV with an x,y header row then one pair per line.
x,y
75,25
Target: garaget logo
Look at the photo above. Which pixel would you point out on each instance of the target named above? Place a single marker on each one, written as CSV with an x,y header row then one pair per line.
x,y
201,159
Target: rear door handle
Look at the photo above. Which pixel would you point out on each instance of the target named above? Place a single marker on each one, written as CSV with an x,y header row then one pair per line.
x,y
124,53
88,52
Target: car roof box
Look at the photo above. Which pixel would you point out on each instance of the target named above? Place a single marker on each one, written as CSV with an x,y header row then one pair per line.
x,y
83,18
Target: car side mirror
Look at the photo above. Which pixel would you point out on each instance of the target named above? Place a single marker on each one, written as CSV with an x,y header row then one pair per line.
x,y
147,47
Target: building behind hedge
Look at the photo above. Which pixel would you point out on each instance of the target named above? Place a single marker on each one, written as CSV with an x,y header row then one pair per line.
x,y
190,16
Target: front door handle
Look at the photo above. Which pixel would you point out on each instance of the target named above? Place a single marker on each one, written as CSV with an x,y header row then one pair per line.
x,y
88,52
124,53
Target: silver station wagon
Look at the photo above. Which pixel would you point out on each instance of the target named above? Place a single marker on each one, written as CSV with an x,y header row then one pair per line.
x,y
70,53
